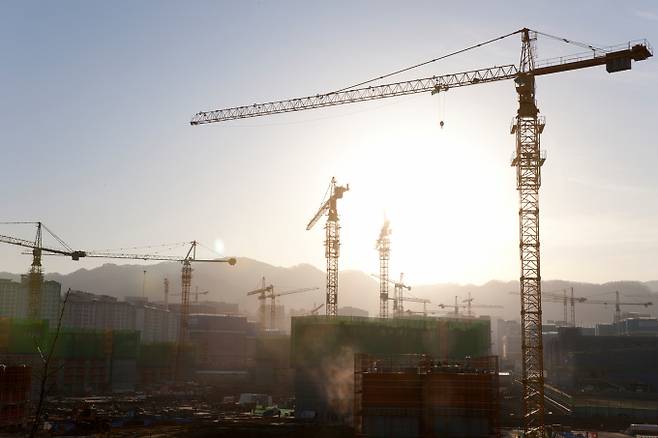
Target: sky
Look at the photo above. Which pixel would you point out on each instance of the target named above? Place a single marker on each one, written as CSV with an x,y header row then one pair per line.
x,y
96,99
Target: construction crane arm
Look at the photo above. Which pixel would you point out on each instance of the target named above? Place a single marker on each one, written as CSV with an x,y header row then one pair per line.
x,y
416,300
433,84
75,255
318,215
260,290
615,58
295,291
621,303
317,308
156,257
395,283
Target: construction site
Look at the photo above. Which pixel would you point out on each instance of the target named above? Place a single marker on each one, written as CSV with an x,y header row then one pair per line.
x,y
76,362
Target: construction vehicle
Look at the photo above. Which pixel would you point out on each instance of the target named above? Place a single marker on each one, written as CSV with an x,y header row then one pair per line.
x,y
332,241
265,292
383,246
528,160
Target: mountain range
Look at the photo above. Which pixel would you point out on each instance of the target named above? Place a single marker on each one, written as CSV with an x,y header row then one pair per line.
x,y
356,288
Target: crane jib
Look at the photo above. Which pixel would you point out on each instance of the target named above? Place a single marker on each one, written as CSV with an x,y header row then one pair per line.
x,y
429,84
615,59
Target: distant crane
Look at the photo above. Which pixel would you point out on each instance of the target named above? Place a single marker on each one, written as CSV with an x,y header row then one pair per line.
x,y
332,241
554,297
197,293
166,293
528,127
424,301
469,305
35,275
267,292
572,300
455,307
565,300
398,294
186,281
316,309
383,246
618,303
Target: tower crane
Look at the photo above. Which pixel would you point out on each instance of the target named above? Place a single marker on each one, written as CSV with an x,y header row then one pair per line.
x,y
197,293
332,241
398,295
35,274
469,305
186,281
425,302
554,297
316,309
166,293
267,292
528,160
565,300
399,287
383,246
618,303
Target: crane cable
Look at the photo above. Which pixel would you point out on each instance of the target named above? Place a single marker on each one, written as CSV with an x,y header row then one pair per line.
x,y
457,52
572,42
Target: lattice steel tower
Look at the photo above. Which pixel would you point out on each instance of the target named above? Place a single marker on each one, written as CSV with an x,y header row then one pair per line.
x,y
183,328
384,248
528,161
35,278
331,242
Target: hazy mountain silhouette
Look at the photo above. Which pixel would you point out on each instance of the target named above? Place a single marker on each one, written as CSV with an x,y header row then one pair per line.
x,y
357,289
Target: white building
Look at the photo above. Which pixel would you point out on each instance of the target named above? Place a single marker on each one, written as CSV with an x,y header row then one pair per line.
x,y
14,299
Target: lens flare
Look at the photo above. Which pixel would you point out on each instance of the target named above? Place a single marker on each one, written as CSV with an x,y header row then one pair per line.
x,y
219,247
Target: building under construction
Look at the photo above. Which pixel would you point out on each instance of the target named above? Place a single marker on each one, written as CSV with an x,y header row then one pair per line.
x,y
604,377
323,351
15,384
419,396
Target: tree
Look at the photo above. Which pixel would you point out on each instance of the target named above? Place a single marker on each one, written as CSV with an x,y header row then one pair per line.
x,y
46,373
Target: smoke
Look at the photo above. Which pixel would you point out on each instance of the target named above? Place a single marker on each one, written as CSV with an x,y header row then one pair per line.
x,y
336,376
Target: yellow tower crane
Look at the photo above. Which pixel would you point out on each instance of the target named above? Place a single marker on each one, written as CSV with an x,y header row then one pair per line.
x,y
332,241
383,246
265,292
35,274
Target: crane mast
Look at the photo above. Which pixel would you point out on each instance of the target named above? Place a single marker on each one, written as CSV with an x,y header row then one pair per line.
x,y
399,300
384,249
331,242
35,278
528,160
35,274
267,291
